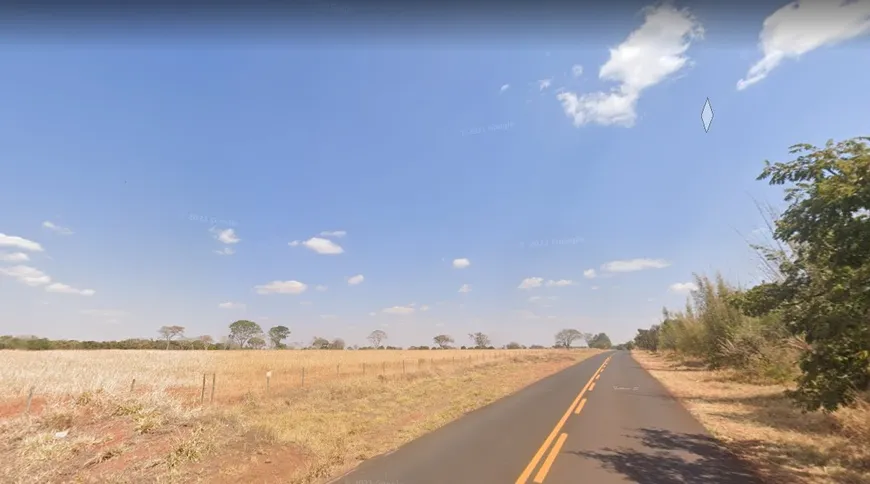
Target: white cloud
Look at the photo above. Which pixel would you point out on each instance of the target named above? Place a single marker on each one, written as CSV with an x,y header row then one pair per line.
x,y
320,287
281,287
577,70
465,288
335,233
14,257
231,305
560,283
531,282
633,265
30,276
354,280
504,88
320,245
57,228
803,26
649,55
461,263
544,83
225,251
541,298
399,310
226,236
65,289
424,308
683,287
589,274
594,288
19,242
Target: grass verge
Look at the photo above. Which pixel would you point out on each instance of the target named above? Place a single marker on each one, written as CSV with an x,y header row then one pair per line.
x,y
759,424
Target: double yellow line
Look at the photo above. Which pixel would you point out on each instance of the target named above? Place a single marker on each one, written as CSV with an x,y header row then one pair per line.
x,y
575,407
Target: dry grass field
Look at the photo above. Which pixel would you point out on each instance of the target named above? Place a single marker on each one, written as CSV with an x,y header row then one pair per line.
x,y
759,424
321,413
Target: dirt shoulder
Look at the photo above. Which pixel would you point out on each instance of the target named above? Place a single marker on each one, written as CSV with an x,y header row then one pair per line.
x,y
760,425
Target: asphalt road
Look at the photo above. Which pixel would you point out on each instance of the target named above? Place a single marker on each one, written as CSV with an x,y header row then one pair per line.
x,y
605,420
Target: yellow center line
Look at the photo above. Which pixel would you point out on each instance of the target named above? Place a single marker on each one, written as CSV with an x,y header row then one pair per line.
x,y
592,387
537,458
539,478
580,407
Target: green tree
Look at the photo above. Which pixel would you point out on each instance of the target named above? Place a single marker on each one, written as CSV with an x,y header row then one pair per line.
x,y
243,330
567,337
337,344
257,343
277,335
600,341
443,341
824,294
647,339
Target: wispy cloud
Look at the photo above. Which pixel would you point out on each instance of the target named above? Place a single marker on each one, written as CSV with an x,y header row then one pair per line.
x,y
589,274
354,280
231,305
319,245
465,288
57,228
14,257
560,283
632,265
226,236
504,88
335,233
683,287
281,287
461,263
531,282
399,310
66,289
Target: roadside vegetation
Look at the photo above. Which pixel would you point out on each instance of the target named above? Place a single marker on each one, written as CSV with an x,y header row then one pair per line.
x,y
781,371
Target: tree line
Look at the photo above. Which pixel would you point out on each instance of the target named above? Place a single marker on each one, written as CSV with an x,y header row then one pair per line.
x,y
249,335
808,322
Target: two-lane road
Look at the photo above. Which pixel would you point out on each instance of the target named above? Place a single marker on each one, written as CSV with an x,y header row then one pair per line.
x,y
605,420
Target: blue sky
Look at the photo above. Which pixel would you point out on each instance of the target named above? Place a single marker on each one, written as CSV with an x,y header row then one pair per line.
x,y
420,157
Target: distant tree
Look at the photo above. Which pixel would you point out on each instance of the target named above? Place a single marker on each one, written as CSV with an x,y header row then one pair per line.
x,y
169,332
277,335
648,339
243,330
376,337
480,340
257,343
566,337
319,343
513,345
443,341
206,341
600,341
337,344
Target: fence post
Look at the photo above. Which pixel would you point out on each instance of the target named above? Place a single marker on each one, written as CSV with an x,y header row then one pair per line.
x,y
303,376
133,385
383,368
213,380
29,400
202,395
338,369
268,380
403,367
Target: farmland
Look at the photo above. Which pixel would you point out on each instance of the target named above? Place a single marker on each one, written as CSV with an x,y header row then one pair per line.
x,y
304,415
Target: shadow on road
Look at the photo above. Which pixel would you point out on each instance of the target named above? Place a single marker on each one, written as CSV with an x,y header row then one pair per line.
x,y
673,458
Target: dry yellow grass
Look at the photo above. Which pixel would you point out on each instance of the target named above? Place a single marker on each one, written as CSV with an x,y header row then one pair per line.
x,y
301,434
759,424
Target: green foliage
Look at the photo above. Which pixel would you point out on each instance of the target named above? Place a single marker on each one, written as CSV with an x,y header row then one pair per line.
x,y
443,341
600,341
243,330
825,291
277,335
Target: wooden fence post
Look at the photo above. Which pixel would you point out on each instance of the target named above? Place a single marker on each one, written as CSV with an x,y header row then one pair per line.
x,y
202,395
268,380
29,400
213,381
133,385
